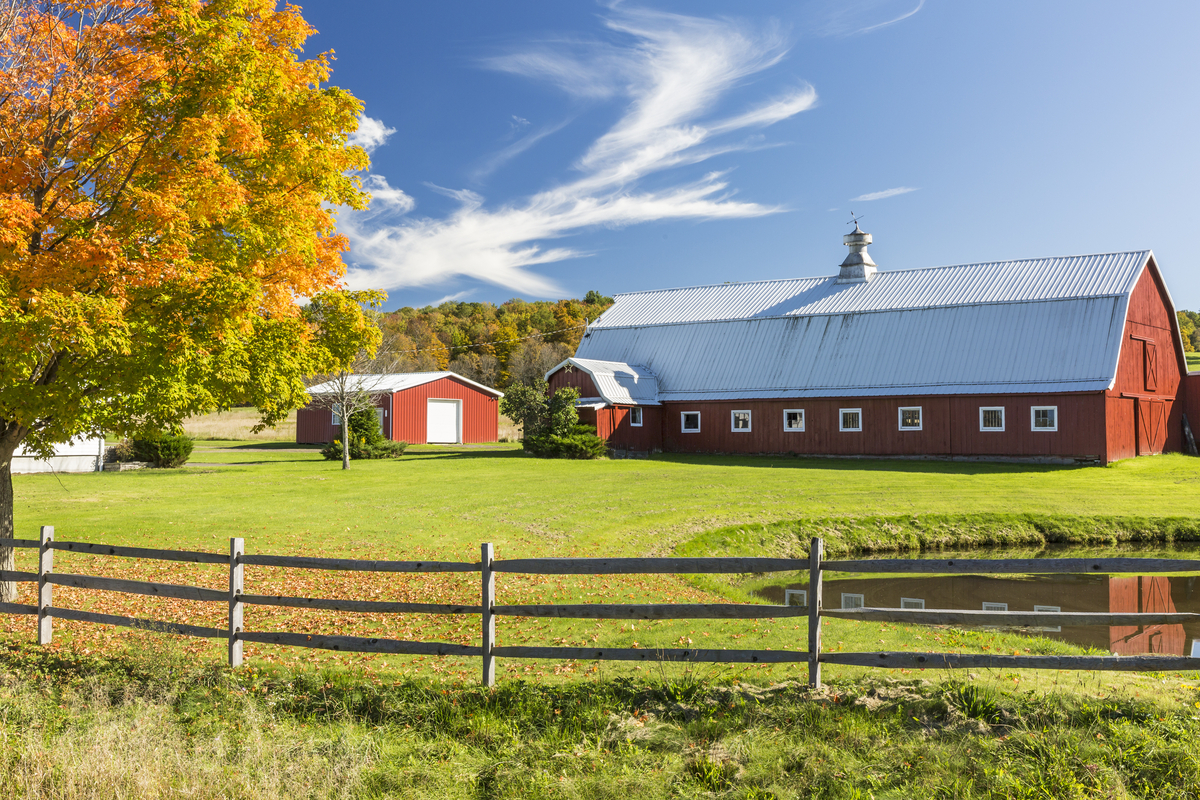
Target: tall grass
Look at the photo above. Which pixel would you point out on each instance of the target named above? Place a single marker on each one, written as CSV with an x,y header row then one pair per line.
x,y
236,424
149,724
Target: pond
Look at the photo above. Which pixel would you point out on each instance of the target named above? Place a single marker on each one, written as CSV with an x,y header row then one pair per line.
x,y
1095,593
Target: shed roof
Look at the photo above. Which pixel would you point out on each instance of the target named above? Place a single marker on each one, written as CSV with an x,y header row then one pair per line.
x,y
1038,325
618,383
398,381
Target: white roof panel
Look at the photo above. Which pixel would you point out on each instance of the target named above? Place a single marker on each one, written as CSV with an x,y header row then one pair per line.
x,y
397,381
617,382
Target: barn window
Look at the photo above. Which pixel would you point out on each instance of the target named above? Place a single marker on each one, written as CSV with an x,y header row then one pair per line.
x,y
910,418
635,417
852,600
795,597
1052,610
850,419
337,415
995,606
1045,418
912,602
991,418
740,421
793,419
690,421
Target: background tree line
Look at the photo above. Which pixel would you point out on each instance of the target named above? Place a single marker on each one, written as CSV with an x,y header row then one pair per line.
x,y
513,343
1189,326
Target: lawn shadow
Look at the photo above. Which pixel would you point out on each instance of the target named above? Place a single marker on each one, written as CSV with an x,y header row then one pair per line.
x,y
868,464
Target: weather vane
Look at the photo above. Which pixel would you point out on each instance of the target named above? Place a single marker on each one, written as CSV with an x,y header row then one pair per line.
x,y
854,219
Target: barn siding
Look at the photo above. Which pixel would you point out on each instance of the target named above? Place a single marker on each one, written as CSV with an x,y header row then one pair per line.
x,y
950,427
576,378
621,435
1148,316
480,411
314,424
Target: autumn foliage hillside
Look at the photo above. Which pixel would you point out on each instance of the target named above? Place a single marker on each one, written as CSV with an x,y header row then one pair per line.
x,y
514,342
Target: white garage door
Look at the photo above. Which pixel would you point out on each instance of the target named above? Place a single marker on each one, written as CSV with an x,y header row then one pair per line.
x,y
441,426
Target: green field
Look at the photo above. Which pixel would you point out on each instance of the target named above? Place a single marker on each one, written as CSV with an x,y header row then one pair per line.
x,y
1193,361
355,725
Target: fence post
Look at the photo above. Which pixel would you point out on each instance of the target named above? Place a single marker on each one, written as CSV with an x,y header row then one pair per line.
x,y
237,548
816,550
45,622
488,619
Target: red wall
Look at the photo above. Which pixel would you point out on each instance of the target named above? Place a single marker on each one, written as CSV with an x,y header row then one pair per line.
x,y
950,427
612,424
576,378
405,420
480,411
1148,316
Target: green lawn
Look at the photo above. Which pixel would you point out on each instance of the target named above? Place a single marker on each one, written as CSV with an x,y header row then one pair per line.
x,y
1193,361
450,499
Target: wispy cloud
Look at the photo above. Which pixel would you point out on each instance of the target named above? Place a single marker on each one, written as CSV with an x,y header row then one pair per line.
x,y
450,298
854,17
886,193
499,159
371,133
672,71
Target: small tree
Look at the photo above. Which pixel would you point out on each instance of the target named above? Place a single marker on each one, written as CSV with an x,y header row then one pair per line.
x,y
550,422
354,387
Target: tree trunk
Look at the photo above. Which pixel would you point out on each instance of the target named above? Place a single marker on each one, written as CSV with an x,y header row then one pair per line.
x,y
8,589
345,439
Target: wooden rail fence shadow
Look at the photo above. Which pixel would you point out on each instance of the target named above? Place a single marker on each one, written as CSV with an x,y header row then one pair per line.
x,y
236,597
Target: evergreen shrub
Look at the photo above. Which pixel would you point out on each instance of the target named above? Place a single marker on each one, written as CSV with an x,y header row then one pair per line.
x,y
167,450
366,440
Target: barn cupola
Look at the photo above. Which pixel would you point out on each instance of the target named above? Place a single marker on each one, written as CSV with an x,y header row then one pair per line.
x,y
858,266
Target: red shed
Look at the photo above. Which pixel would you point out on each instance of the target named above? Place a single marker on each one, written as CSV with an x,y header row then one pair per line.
x,y
1075,358
414,407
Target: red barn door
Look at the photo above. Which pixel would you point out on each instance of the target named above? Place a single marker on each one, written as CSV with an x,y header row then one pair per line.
x,y
1151,426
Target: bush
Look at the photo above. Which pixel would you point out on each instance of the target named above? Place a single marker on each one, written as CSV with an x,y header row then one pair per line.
x,y
580,442
121,451
366,440
162,449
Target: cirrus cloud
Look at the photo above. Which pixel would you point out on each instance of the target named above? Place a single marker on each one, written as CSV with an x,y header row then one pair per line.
x,y
671,70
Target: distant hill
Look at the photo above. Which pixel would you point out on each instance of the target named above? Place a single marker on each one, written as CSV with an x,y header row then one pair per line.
x,y
516,341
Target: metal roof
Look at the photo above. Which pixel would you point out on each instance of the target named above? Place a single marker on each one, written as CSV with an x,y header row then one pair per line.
x,y
1031,280
617,382
397,381
1044,325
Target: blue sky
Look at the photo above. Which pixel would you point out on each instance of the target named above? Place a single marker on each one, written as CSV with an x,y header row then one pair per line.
x,y
544,148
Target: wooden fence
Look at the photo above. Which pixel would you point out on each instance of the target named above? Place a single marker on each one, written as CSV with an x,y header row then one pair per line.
x,y
236,597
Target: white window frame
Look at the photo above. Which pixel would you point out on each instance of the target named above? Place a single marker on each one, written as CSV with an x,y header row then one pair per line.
x,y
749,420
995,606
1003,419
842,418
638,411
789,593
849,598
799,411
920,417
336,410
683,420
1195,648
1033,418
912,602
1053,610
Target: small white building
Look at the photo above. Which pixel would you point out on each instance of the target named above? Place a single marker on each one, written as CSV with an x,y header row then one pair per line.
x,y
77,455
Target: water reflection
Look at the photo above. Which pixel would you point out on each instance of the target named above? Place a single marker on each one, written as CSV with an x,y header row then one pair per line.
x,y
1143,593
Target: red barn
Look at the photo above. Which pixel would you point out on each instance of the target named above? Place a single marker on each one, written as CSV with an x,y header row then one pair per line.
x,y
1074,359
414,407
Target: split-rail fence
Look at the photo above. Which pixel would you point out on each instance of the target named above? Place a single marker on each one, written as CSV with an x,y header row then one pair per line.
x,y
488,609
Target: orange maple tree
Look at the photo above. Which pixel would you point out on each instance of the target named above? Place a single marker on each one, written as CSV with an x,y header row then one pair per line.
x,y
168,170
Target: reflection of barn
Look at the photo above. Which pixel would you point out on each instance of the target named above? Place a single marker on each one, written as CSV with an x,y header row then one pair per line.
x,y
1098,593
1073,358
415,407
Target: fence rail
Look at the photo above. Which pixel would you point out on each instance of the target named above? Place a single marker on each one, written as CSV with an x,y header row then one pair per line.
x,y
487,610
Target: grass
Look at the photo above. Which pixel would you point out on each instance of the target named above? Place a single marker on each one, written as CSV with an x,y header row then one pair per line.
x,y
308,723
149,722
237,423
1193,362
